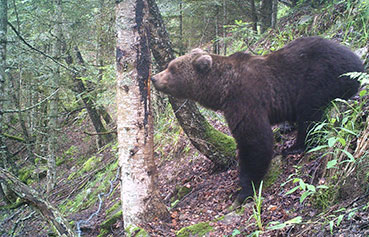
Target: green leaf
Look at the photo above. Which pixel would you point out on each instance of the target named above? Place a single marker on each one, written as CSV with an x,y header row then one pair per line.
x,y
342,141
236,232
292,190
349,155
363,93
331,164
302,184
311,188
318,148
296,220
332,141
304,196
322,186
349,131
277,226
339,219
331,225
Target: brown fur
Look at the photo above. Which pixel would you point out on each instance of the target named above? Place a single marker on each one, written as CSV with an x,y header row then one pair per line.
x,y
292,84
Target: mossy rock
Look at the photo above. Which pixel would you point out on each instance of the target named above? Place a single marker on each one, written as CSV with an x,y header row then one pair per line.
x,y
199,229
275,170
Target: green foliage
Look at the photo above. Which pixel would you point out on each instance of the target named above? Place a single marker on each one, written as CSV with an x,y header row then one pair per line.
x,y
335,135
167,135
306,189
258,199
88,191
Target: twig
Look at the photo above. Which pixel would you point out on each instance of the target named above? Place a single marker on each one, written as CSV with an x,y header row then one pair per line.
x,y
20,220
11,217
31,107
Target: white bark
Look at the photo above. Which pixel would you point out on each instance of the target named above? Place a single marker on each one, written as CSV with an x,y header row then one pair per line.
x,y
140,202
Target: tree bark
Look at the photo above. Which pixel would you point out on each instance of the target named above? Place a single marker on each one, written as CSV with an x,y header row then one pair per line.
x,y
140,199
103,137
266,14
3,43
274,13
6,194
53,105
254,16
33,198
215,145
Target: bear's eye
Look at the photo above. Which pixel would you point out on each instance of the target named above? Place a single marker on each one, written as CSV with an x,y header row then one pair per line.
x,y
172,69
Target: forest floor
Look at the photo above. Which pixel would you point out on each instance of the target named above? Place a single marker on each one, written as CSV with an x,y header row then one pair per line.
x,y
197,194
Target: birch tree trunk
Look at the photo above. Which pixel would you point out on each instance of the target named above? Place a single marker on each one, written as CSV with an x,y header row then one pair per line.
x,y
215,145
140,200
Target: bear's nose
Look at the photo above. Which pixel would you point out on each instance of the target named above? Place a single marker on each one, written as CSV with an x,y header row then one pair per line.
x,y
153,79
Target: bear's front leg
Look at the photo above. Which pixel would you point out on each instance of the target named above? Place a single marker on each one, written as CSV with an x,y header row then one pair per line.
x,y
255,151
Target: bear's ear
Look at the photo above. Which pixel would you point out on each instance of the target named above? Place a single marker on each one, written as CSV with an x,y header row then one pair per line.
x,y
203,63
197,51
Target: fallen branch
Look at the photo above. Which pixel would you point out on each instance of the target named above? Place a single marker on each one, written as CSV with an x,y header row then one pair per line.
x,y
34,199
100,133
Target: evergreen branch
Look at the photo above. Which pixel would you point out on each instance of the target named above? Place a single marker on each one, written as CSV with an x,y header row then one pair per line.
x,y
39,51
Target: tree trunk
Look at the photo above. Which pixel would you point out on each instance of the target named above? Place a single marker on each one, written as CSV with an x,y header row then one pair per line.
x,y
103,136
216,146
266,14
140,199
181,45
224,27
254,16
3,42
53,105
6,194
33,198
274,13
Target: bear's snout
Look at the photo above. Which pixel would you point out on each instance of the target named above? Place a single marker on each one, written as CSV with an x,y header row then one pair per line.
x,y
153,79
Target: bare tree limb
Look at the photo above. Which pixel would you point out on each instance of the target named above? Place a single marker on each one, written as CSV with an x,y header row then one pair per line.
x,y
31,107
39,51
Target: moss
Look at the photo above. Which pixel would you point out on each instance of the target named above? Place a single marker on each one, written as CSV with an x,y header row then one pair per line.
x,y
135,231
115,207
181,192
111,220
25,174
274,171
103,232
90,164
224,143
60,160
198,229
87,166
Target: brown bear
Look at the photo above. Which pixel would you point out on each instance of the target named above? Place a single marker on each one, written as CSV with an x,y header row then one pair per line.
x,y
292,84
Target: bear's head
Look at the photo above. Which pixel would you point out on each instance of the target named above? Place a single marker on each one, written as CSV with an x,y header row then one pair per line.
x,y
183,74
